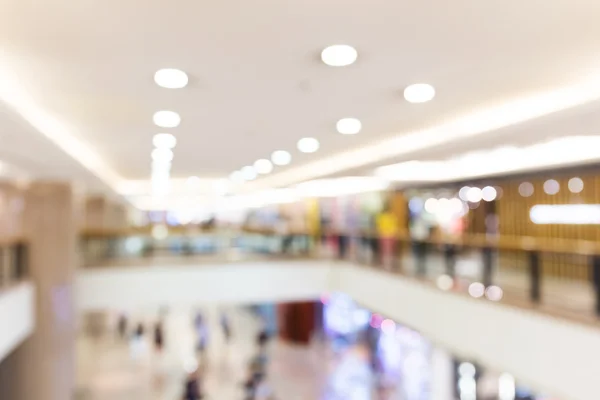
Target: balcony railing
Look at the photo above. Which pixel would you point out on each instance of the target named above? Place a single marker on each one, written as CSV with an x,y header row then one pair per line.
x,y
557,276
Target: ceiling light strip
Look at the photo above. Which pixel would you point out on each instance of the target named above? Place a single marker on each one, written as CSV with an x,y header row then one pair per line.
x,y
474,124
18,99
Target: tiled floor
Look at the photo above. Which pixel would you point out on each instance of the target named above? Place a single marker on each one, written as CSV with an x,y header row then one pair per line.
x,y
110,369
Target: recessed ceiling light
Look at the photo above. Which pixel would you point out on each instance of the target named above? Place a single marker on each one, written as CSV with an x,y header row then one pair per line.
x,y
263,166
164,141
193,181
162,155
161,167
339,55
419,93
236,176
348,126
281,157
248,173
171,78
308,145
166,119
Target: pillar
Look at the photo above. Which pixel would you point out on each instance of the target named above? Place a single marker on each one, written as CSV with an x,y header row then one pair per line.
x,y
43,366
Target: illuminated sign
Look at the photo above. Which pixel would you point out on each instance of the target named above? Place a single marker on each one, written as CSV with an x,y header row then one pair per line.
x,y
572,214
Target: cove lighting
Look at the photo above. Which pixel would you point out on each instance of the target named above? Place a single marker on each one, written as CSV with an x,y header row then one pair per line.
x,y
281,157
340,186
164,140
562,151
171,78
419,93
339,55
476,123
348,126
571,214
308,145
166,119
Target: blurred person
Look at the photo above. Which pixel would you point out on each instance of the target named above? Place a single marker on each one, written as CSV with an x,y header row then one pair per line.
x,y
387,229
139,330
226,327
249,386
258,365
283,229
198,320
158,336
138,345
209,224
420,233
262,389
262,339
122,326
202,334
193,388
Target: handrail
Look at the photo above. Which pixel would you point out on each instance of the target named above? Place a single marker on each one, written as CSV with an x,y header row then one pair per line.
x,y
522,243
142,230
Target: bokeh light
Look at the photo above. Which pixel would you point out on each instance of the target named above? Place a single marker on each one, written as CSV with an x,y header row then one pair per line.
x,y
476,289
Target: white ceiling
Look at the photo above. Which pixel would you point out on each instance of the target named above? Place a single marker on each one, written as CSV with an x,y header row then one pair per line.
x,y
256,81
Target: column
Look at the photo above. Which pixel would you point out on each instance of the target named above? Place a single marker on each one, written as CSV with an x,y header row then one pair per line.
x,y
43,366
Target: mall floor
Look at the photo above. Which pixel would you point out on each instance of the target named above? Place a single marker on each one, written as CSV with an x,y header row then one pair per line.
x,y
110,368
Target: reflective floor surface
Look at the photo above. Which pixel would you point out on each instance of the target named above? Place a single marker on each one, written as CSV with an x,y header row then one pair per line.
x,y
116,369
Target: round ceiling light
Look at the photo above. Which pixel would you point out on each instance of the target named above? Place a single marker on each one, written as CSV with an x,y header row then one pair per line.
x,y
263,166
348,126
171,78
281,157
308,145
164,141
236,176
419,93
166,119
248,173
193,182
162,155
339,55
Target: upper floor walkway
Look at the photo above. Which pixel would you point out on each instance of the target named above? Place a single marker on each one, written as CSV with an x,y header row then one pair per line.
x,y
510,308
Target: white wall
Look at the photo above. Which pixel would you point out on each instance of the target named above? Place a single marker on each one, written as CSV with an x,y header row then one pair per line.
x,y
17,316
549,354
244,282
